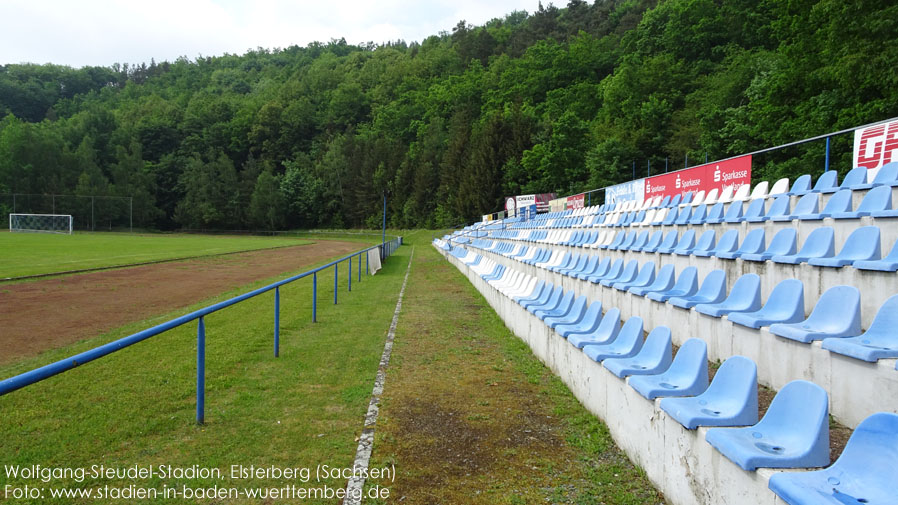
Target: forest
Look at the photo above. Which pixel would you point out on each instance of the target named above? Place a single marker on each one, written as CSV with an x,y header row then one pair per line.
x,y
563,99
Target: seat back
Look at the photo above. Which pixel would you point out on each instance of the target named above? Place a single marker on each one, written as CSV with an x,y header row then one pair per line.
x,y
715,213
760,190
819,244
779,207
800,411
698,215
698,198
785,242
873,447
838,311
787,298
807,204
675,201
726,195
888,174
655,240
878,198
728,242
629,272
755,209
864,243
737,381
857,175
801,185
734,212
714,286
646,274
660,216
692,359
754,242
687,241
779,187
741,193
711,197
609,327
687,282
670,240
827,180
683,215
671,216
706,241
665,278
640,241
746,292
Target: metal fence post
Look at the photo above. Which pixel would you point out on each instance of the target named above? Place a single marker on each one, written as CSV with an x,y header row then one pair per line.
x,y
366,261
335,282
200,371
349,261
315,297
826,165
277,321
360,267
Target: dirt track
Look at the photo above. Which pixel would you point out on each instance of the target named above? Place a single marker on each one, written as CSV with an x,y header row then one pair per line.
x,y
44,314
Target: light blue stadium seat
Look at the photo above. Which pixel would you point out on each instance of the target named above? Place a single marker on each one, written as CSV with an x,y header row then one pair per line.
x,y
807,205
626,275
734,213
713,290
671,217
568,261
653,358
613,270
784,243
625,243
547,293
669,243
880,341
827,183
535,294
784,305
557,304
627,343
838,203
640,241
594,268
698,215
755,211
704,245
659,218
779,208
618,239
685,244
606,332
753,244
571,316
687,285
687,375
837,314
675,201
687,198
715,214
577,267
730,400
887,176
887,264
665,202
862,245
744,297
801,185
865,473
727,244
653,242
855,176
793,434
683,216
588,323
820,243
646,277
878,199
663,281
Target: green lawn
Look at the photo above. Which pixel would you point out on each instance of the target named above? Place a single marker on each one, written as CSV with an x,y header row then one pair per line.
x,y
136,406
39,253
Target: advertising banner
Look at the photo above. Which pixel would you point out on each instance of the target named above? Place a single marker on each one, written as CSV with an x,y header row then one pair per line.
x,y
633,190
542,201
575,202
875,146
736,171
510,206
557,204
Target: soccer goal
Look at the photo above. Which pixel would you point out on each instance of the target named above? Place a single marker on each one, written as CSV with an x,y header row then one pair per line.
x,y
41,223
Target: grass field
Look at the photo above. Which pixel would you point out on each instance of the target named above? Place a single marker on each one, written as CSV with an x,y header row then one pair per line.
x,y
39,253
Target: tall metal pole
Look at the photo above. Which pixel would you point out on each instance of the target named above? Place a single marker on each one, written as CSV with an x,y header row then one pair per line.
x,y
665,164
277,321
648,170
315,297
826,166
200,371
686,163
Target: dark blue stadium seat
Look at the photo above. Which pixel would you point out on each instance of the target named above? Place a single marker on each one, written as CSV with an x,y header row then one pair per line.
x,y
753,244
878,199
686,376
880,341
783,243
713,290
820,243
730,400
794,433
784,305
687,285
663,282
627,343
862,245
606,332
653,358
865,473
887,264
744,297
837,314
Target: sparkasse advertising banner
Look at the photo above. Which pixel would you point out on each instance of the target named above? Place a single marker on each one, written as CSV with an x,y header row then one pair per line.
x,y
735,171
575,202
875,146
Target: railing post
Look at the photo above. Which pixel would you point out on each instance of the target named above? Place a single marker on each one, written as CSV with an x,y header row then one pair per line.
x,y
335,282
360,267
277,321
349,281
200,371
366,261
826,165
315,297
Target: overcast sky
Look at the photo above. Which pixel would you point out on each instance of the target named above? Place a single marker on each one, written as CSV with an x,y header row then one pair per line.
x,y
103,32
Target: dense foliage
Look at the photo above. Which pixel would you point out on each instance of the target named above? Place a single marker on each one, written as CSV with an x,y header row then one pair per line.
x,y
563,99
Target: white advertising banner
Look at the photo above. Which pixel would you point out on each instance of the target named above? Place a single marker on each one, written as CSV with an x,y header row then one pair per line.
x,y
875,146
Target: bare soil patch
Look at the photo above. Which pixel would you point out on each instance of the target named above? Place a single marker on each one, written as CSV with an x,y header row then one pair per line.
x,y
45,314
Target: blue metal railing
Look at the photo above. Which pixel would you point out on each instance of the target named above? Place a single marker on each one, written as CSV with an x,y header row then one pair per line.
x,y
11,384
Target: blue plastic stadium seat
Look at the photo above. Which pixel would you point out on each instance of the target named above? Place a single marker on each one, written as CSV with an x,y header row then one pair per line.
x,y
779,208
675,201
728,243
571,316
629,238
627,343
549,290
819,244
801,185
730,400
753,244
704,245
862,245
626,275
663,281
652,244
887,176
685,244
653,358
646,277
687,198
880,341
793,434
556,306
605,333
755,211
827,183
669,243
784,243
640,241
597,270
837,314
838,203
855,176
807,205
878,199
715,213
671,217
734,213
665,202
713,290
687,285
612,271
887,264
618,239
683,216
535,294
744,297
687,375
865,473
698,215
588,323
784,305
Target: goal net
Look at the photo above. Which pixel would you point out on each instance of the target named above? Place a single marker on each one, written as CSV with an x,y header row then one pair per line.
x,y
41,223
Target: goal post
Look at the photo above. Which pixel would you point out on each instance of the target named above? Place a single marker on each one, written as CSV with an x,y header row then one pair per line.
x,y
41,223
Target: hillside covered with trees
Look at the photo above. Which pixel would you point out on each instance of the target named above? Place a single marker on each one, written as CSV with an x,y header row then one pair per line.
x,y
564,99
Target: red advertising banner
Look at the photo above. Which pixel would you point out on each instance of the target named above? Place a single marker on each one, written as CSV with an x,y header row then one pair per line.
x,y
575,202
736,171
876,145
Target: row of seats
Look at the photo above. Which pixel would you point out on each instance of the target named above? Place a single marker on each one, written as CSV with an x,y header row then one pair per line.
x,y
794,432
835,319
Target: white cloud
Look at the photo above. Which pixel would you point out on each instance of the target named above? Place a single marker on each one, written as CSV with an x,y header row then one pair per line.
x,y
102,32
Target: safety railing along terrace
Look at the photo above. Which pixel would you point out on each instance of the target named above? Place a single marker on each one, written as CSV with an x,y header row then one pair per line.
x,y
385,250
